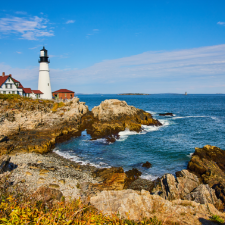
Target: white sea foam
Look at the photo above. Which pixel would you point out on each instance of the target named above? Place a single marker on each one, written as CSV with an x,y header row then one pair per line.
x,y
77,159
149,128
145,129
101,140
189,155
124,134
148,177
183,117
166,122
151,112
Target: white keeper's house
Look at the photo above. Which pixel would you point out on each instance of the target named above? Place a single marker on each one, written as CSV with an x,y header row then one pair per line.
x,y
9,85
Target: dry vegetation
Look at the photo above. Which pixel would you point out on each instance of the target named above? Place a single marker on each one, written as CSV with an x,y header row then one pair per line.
x,y
57,105
18,208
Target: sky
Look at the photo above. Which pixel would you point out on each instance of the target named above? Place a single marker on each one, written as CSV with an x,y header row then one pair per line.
x,y
150,46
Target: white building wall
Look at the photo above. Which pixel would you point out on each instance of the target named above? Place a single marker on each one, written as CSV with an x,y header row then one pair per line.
x,y
44,84
9,89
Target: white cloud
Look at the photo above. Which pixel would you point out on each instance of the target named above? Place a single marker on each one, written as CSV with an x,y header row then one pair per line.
x,y
221,23
159,71
70,21
94,31
19,52
29,28
35,47
21,12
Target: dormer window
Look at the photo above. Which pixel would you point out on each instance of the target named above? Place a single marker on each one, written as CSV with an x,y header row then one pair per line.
x,y
6,86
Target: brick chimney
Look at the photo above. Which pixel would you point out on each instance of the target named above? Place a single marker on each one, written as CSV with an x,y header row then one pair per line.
x,y
3,74
10,75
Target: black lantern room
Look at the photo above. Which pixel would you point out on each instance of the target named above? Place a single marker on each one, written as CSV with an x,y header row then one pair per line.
x,y
44,56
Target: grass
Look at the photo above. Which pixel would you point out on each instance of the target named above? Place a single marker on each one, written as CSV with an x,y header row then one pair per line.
x,y
217,219
15,98
57,105
10,96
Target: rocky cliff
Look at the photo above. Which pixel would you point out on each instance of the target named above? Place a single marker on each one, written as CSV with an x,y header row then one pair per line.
x,y
35,125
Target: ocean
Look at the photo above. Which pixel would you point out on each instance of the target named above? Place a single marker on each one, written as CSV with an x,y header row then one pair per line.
x,y
198,120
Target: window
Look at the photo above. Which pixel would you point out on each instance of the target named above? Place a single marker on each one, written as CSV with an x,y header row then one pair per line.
x,y
4,92
6,86
11,86
48,84
13,92
65,94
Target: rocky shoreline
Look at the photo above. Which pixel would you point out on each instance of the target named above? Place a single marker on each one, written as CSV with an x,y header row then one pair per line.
x,y
190,197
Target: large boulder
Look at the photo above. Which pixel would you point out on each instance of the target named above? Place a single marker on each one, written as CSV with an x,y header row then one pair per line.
x,y
47,195
114,178
113,116
110,178
209,164
137,205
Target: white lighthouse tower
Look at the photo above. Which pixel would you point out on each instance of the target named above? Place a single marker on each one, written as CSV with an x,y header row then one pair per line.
x,y
44,84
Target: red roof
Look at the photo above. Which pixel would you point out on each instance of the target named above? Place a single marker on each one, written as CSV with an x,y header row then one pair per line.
x,y
63,91
20,86
3,79
15,80
37,92
27,90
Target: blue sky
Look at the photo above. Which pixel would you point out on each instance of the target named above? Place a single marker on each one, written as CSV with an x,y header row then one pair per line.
x,y
117,46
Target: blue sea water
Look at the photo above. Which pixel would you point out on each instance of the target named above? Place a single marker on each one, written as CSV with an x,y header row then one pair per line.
x,y
199,120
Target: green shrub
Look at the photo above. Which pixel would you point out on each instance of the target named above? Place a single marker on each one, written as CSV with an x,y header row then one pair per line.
x,y
217,219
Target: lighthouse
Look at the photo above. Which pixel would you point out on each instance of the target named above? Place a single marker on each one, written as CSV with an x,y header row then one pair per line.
x,y
44,84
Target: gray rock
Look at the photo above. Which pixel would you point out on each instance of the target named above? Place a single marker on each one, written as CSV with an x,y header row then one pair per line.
x,y
172,188
203,194
4,162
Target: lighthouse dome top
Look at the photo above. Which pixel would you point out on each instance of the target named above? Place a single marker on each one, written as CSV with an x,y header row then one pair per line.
x,y
44,55
44,52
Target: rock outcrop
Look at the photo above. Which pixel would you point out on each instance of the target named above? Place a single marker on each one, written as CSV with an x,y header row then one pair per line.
x,y
138,205
147,164
209,164
186,186
38,124
204,194
172,188
166,114
113,116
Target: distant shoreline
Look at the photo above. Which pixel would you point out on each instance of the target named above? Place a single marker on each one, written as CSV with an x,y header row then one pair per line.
x,y
133,94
